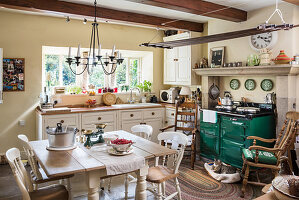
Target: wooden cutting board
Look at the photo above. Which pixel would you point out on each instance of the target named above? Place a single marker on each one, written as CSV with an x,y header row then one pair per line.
x,y
109,99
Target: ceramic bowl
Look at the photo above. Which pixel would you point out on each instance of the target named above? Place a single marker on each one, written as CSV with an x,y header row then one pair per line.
x,y
121,147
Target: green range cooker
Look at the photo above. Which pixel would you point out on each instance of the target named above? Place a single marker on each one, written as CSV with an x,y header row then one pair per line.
x,y
225,139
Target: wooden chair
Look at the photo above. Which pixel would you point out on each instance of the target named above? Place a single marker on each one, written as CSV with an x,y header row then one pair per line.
x,y
263,157
169,169
38,176
54,192
186,121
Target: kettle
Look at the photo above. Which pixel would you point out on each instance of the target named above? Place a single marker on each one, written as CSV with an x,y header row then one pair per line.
x,y
227,99
270,98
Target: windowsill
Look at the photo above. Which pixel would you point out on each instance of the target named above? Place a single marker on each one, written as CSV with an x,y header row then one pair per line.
x,y
97,94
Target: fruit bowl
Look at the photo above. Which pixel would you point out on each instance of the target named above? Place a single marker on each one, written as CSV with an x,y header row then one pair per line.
x,y
121,145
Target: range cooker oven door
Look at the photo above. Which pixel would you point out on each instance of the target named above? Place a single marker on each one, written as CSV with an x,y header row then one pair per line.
x,y
233,134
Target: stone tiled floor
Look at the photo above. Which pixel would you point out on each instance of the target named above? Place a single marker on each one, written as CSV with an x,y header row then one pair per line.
x,y
10,191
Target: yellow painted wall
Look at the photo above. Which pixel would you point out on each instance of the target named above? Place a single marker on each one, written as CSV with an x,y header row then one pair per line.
x,y
22,36
238,49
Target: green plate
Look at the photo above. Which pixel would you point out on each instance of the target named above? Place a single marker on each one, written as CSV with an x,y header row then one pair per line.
x,y
267,85
250,84
234,84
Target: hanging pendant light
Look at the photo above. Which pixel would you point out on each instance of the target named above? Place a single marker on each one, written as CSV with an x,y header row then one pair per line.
x,y
108,63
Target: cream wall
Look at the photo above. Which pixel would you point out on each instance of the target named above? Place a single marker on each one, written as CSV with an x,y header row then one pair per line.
x,y
22,36
238,49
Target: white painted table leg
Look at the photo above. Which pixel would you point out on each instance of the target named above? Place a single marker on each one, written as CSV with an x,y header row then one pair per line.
x,y
93,182
140,192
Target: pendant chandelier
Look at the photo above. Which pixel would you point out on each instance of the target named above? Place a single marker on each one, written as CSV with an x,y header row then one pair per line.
x,y
108,63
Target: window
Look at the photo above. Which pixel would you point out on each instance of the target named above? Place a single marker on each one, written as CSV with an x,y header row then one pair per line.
x,y
56,71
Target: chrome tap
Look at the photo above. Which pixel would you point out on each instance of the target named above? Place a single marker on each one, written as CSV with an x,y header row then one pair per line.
x,y
131,101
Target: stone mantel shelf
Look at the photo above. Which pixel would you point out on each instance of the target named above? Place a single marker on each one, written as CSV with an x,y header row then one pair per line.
x,y
274,70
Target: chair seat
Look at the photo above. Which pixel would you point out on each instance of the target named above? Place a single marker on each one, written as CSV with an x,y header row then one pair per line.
x,y
45,178
160,174
189,143
263,157
54,192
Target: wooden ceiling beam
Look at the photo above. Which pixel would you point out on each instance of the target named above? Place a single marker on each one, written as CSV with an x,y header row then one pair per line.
x,y
200,7
67,8
295,2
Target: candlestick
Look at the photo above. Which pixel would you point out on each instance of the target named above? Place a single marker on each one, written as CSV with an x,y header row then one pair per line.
x,y
99,50
70,49
113,50
78,52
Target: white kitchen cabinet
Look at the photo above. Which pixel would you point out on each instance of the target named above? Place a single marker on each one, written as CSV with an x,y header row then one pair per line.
x,y
115,120
44,121
88,120
153,117
169,118
179,61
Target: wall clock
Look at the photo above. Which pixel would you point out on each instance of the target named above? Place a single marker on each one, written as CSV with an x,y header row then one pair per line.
x,y
263,40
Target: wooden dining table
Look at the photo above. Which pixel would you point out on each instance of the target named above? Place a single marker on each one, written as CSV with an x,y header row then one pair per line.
x,y
80,159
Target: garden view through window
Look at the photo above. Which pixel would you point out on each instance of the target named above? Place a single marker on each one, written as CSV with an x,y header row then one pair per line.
x,y
57,73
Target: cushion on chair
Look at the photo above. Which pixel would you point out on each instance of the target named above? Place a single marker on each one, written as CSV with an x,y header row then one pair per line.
x,y
54,192
263,157
160,174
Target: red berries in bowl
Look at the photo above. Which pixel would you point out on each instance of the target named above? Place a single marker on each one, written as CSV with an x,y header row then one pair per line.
x,y
121,145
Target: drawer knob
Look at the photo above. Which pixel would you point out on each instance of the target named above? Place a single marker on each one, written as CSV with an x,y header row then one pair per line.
x,y
131,115
153,113
99,118
172,114
166,122
61,121
82,130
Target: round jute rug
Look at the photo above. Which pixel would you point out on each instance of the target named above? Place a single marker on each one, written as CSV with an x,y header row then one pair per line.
x,y
198,185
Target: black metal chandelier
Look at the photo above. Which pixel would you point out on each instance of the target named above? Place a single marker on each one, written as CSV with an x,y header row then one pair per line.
x,y
94,59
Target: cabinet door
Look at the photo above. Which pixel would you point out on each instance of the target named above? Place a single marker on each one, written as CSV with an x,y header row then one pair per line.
x,y
127,125
169,65
157,124
231,152
183,73
233,128
209,144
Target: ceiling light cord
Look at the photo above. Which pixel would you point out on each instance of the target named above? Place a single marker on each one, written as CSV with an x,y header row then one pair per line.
x,y
278,11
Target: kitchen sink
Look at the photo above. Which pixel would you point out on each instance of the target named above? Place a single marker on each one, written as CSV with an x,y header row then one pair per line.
x,y
135,105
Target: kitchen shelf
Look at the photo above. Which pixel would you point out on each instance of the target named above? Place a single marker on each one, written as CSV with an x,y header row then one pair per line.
x,y
277,70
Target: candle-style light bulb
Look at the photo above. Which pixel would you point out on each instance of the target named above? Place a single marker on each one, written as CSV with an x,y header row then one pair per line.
x,y
78,52
106,55
70,50
99,50
119,55
113,50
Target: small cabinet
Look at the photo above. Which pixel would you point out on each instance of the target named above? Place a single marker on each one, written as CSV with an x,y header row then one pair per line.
x,y
152,117
71,120
179,61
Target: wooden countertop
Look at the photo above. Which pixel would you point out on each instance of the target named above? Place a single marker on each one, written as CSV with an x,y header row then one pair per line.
x,y
82,109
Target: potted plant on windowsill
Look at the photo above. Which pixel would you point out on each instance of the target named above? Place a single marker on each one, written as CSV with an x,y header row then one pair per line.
x,y
145,88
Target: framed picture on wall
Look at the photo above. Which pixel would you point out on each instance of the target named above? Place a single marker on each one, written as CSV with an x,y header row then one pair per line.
x,y
13,74
216,57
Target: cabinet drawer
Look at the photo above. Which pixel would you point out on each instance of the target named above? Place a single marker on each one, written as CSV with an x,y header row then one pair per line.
x,y
131,115
170,113
109,127
152,114
99,117
70,120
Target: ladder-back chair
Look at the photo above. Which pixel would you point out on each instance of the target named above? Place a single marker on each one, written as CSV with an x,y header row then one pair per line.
x,y
264,157
186,121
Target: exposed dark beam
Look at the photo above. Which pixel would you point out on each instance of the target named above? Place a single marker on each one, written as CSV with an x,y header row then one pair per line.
x,y
61,7
295,2
200,8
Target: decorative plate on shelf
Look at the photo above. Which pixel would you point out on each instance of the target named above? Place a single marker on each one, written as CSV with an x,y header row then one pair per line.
x,y
250,84
267,85
234,84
